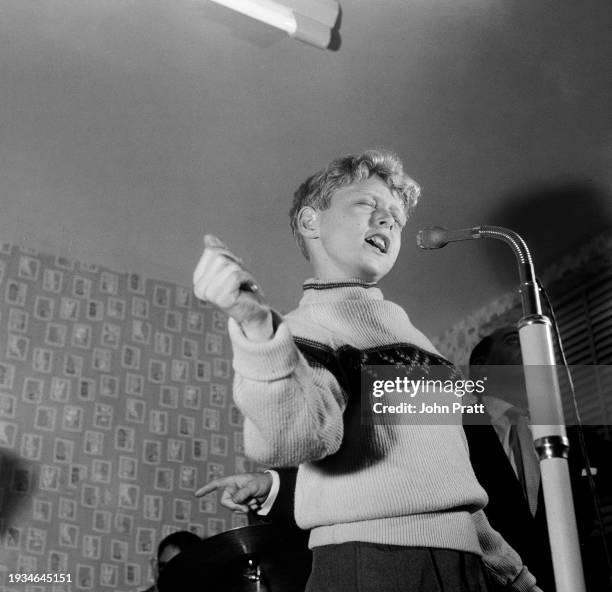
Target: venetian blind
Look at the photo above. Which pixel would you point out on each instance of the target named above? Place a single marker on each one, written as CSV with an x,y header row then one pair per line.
x,y
584,315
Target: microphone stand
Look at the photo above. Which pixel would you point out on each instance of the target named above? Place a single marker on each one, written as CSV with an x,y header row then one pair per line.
x,y
547,422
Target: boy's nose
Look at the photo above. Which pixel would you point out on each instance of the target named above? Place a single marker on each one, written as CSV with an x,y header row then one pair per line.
x,y
384,218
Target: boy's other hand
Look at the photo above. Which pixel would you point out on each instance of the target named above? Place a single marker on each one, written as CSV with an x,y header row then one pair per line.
x,y
220,278
240,492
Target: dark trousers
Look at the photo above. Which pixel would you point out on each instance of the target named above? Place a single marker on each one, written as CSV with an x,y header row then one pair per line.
x,y
369,567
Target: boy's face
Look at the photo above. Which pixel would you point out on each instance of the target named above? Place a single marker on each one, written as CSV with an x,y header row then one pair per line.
x,y
360,233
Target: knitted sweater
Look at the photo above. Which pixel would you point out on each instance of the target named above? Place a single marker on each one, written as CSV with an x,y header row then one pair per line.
x,y
409,485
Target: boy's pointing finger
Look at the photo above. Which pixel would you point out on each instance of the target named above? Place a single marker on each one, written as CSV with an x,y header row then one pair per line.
x,y
213,242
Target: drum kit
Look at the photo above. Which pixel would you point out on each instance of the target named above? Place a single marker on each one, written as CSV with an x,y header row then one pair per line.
x,y
254,558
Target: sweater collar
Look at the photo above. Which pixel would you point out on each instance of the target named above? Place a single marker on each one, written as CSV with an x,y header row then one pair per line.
x,y
318,291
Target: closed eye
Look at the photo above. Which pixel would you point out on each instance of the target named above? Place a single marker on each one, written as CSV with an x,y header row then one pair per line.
x,y
400,222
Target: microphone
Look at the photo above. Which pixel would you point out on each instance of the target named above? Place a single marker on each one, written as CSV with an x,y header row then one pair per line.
x,y
436,237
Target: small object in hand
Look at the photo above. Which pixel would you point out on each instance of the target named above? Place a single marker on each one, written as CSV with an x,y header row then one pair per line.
x,y
254,505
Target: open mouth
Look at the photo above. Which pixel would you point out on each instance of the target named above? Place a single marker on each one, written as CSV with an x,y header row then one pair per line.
x,y
379,242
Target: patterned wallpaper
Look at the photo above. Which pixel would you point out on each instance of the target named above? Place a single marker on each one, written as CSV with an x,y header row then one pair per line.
x,y
115,405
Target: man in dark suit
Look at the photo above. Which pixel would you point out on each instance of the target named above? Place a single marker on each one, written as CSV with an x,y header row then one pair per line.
x,y
521,522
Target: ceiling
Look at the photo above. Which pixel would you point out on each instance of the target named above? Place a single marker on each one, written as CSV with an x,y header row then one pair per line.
x,y
128,128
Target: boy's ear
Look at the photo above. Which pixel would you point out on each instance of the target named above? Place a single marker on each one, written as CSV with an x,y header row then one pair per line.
x,y
308,222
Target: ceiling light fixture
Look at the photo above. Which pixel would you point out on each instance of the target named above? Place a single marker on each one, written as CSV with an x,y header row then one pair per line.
x,y
310,21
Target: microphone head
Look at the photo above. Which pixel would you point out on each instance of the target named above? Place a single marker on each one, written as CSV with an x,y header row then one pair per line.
x,y
433,237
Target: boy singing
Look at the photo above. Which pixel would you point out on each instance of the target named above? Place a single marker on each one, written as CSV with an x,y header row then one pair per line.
x,y
390,507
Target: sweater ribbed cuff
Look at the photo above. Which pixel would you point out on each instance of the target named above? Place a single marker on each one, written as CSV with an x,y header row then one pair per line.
x,y
525,582
264,360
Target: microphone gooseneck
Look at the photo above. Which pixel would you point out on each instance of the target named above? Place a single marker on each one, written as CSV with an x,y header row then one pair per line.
x,y
436,237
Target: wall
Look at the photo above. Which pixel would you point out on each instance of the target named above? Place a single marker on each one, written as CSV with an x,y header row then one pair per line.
x,y
115,404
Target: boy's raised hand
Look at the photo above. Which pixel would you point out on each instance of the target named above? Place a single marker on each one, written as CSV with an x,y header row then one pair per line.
x,y
220,278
